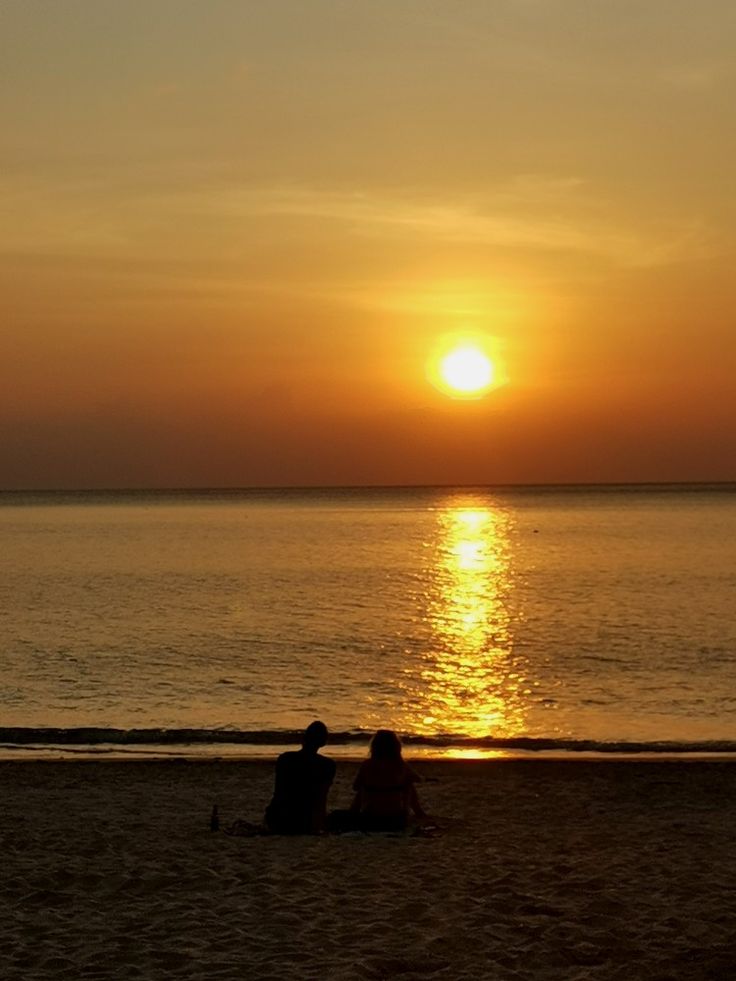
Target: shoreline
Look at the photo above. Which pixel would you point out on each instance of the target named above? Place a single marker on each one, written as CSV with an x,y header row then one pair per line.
x,y
353,752
121,743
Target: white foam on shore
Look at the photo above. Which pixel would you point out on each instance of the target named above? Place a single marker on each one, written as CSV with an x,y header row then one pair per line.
x,y
348,752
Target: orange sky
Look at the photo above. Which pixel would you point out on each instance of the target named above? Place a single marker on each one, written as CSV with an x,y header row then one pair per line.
x,y
233,232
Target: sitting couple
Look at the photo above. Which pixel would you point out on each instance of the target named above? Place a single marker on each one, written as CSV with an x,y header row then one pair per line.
x,y
385,791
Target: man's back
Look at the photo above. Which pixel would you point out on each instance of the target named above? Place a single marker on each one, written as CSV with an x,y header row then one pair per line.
x,y
303,779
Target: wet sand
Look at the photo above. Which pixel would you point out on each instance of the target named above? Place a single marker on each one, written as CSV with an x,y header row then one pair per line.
x,y
552,870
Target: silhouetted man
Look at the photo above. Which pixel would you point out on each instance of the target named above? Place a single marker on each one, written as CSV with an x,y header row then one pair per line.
x,y
303,779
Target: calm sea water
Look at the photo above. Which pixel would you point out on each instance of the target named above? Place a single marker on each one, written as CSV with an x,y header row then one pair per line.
x,y
460,616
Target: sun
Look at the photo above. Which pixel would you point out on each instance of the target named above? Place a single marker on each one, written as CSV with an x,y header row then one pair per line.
x,y
467,370
463,371
464,366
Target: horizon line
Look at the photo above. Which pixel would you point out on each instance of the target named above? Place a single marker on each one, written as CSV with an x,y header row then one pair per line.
x,y
236,489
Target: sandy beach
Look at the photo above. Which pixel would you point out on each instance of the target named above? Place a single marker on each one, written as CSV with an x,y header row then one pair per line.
x,y
553,870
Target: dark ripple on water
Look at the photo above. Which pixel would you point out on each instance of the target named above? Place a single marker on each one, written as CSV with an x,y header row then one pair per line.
x,y
20,736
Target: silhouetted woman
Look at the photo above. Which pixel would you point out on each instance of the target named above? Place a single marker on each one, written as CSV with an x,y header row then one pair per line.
x,y
385,791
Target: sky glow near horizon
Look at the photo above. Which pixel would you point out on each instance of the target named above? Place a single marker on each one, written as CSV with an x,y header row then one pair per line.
x,y
234,232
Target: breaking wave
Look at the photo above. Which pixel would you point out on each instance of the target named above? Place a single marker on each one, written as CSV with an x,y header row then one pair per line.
x,y
93,738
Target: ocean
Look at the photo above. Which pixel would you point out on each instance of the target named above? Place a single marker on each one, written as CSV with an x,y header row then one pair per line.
x,y
474,621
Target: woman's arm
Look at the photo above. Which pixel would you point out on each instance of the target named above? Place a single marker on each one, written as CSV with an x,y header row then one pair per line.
x,y
358,784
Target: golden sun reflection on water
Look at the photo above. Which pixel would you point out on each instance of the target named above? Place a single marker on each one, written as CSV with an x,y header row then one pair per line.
x,y
468,684
470,753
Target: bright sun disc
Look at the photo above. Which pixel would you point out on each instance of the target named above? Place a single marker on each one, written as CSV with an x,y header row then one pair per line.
x,y
466,370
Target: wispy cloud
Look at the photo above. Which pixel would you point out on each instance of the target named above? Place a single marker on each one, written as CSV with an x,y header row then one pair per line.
x,y
699,77
531,212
